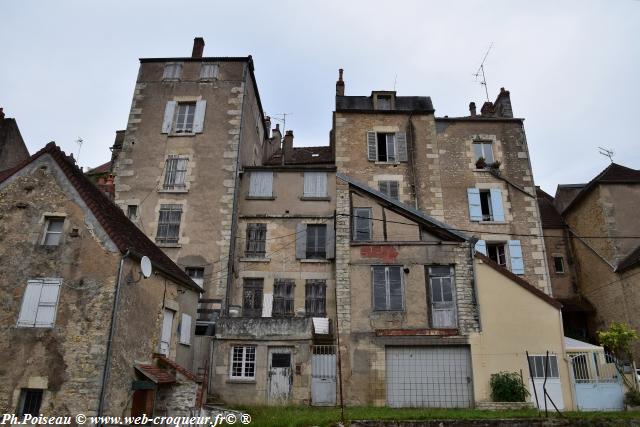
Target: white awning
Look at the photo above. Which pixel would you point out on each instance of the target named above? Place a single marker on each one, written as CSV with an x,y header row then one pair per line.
x,y
575,345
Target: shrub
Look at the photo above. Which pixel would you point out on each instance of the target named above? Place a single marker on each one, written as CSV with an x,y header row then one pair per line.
x,y
632,398
507,387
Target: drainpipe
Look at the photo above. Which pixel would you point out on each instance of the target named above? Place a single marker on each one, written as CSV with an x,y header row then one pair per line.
x,y
112,328
474,278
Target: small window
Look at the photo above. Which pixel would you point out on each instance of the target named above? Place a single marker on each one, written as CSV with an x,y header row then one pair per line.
x,y
362,224
243,362
315,184
283,298
208,71
261,184
316,241
40,303
52,231
484,150
196,274
497,253
558,264
540,363
256,240
315,298
386,147
390,188
384,102
30,402
387,288
172,71
252,297
281,360
169,224
184,117
175,173
132,212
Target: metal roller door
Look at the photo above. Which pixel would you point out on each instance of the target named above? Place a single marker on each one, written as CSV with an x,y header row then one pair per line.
x,y
434,377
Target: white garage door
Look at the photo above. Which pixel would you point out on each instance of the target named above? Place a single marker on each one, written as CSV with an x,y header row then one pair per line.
x,y
435,377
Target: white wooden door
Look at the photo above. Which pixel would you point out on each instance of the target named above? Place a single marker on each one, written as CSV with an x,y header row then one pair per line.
x,y
539,364
280,378
323,375
167,328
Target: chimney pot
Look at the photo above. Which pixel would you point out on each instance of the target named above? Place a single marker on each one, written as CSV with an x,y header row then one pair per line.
x,y
198,47
340,71
340,84
472,109
278,127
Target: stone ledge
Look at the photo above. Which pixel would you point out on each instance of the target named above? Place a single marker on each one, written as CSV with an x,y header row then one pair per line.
x,y
503,406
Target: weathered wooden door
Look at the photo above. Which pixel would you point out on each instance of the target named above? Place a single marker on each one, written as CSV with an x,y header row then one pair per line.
x,y
279,374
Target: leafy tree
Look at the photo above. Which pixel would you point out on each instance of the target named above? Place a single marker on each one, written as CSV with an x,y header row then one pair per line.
x,y
618,340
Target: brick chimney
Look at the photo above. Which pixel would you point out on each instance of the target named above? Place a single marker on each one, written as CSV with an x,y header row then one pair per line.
x,y
287,146
472,109
340,84
198,47
267,124
487,109
503,104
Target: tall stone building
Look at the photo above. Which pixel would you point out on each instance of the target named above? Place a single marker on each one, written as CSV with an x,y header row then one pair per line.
x,y
193,123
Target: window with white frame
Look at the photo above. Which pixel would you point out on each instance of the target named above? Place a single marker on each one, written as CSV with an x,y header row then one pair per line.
x,y
503,254
52,231
208,71
261,184
185,329
175,172
541,363
390,188
483,150
184,117
169,224
362,224
387,147
40,303
196,274
315,184
172,71
387,288
256,240
243,362
485,205
558,264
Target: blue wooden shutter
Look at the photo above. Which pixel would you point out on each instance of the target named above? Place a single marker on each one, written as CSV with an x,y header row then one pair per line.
x,y
475,210
401,146
481,246
169,112
372,146
198,118
515,254
496,205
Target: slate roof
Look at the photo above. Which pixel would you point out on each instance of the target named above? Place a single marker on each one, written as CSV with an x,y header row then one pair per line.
x,y
402,103
303,156
549,215
124,234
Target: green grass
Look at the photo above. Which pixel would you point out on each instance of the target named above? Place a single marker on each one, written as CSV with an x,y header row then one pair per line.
x,y
305,416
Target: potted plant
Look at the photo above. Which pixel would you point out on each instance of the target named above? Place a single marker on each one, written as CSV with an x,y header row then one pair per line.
x,y
481,163
495,165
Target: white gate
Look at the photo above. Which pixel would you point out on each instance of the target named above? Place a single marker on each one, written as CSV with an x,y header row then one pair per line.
x,y
545,376
597,384
280,378
323,375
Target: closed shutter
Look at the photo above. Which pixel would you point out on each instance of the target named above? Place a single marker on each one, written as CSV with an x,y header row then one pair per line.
x,y
515,254
198,119
30,300
185,329
481,246
395,288
379,288
401,146
331,240
321,184
267,303
372,147
315,184
394,190
362,224
48,302
169,113
496,205
301,241
261,184
475,210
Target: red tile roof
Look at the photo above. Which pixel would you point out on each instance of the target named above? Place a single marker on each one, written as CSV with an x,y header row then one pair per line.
x,y
124,234
155,374
103,168
175,366
303,156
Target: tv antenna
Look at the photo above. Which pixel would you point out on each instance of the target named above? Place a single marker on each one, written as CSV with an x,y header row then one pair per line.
x,y
79,141
481,72
395,82
282,118
606,152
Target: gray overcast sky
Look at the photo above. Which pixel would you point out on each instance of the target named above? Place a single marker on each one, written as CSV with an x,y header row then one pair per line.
x,y
573,68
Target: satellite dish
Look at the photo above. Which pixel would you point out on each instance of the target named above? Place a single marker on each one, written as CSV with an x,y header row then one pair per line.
x,y
145,267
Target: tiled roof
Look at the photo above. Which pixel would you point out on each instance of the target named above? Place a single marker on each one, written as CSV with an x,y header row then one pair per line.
x,y
549,216
174,365
103,168
124,234
303,156
155,374
402,103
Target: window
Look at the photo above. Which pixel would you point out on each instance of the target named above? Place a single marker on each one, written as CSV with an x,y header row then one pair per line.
x,y
389,188
261,184
167,332
172,71
175,172
558,264
316,241
283,297
315,184
441,296
252,297
362,224
208,71
384,102
52,231
169,224
485,205
185,329
387,288
184,118
196,274
132,212
497,253
315,298
387,147
243,362
39,303
539,365
256,240
483,149
30,401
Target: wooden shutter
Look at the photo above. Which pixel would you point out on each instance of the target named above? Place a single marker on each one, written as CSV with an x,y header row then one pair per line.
x,y
515,254
315,184
169,113
301,241
331,240
261,184
29,308
496,205
198,117
391,147
395,288
185,329
481,246
321,184
379,288
394,190
401,146
475,210
48,303
372,146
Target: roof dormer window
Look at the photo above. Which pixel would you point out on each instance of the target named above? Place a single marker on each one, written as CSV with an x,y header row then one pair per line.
x,y
384,100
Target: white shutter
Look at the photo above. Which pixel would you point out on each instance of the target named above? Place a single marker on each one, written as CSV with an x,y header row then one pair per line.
x,y
30,300
515,254
169,112
401,146
167,326
496,205
321,184
372,146
48,303
315,184
198,118
261,184
185,329
475,210
267,303
481,246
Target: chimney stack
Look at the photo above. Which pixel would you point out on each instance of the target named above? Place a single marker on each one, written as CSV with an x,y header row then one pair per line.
x,y
198,47
340,84
472,109
287,146
1,113
267,124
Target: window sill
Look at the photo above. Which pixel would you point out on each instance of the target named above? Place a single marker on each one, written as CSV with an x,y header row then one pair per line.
x,y
315,261
168,245
186,344
208,79
317,199
387,163
260,197
180,190
254,259
170,79
182,134
491,222
241,381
